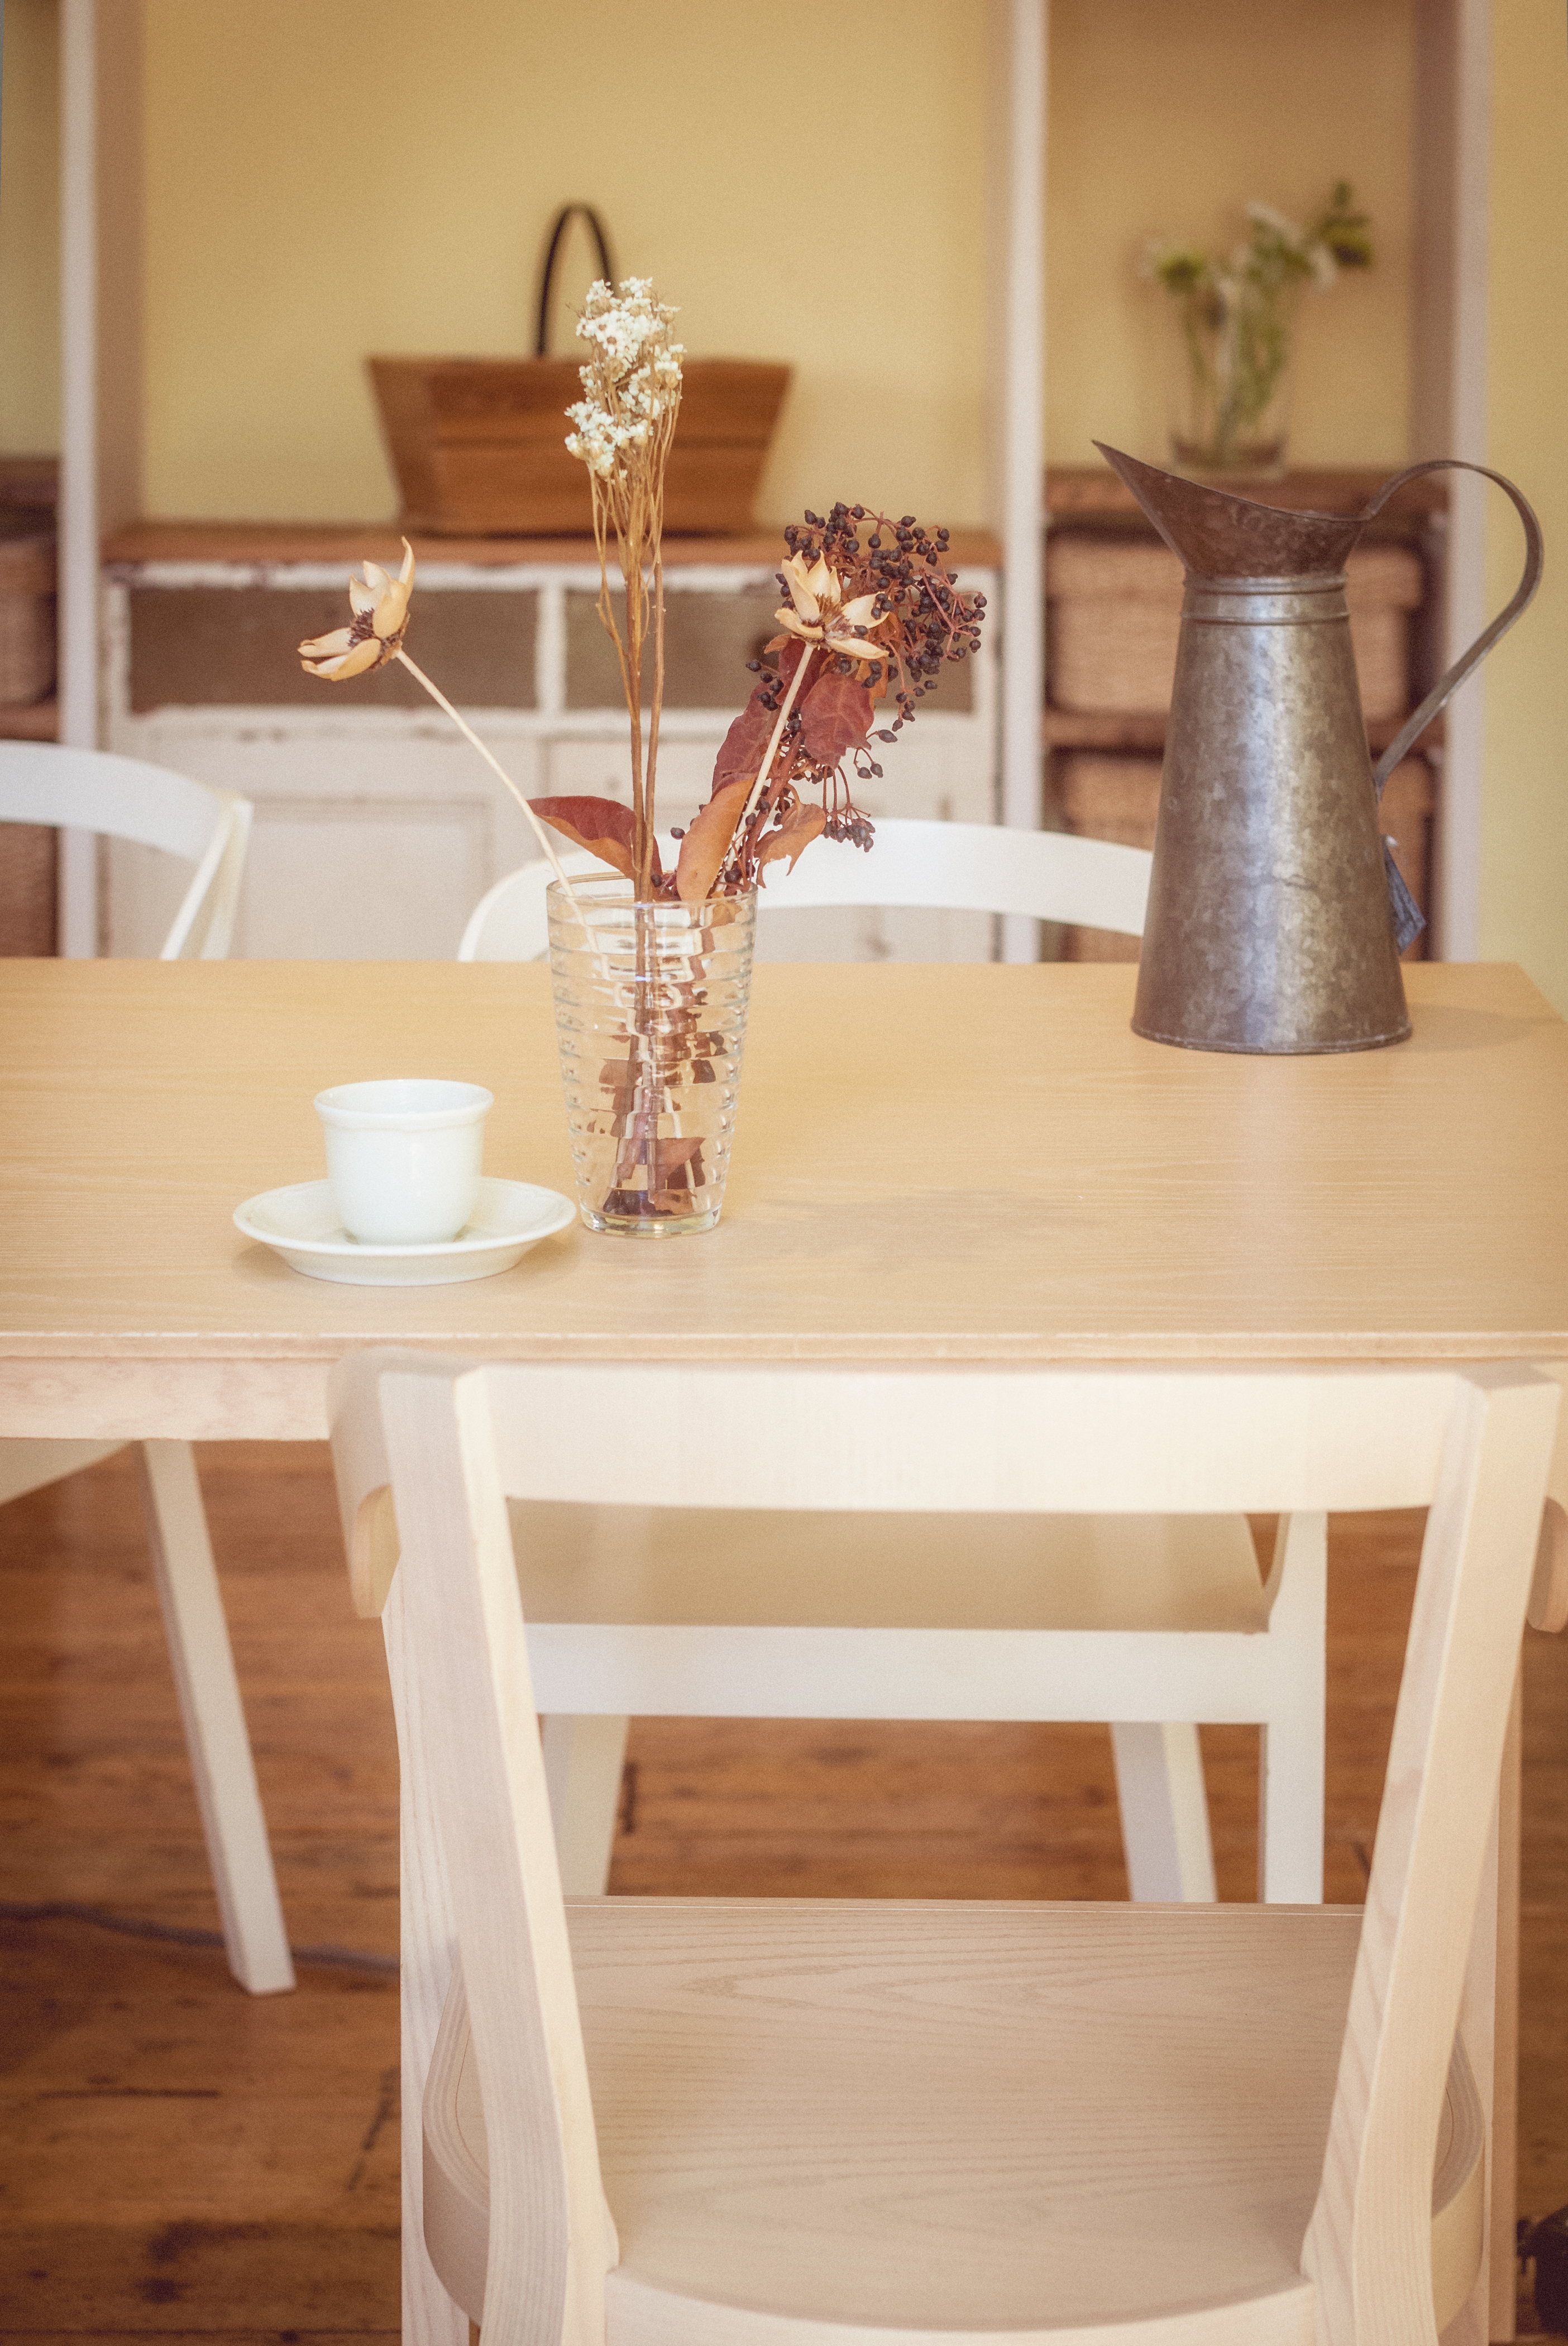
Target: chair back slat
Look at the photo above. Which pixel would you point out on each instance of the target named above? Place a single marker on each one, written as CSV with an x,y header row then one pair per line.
x,y
456,1440
956,867
971,1441
550,2240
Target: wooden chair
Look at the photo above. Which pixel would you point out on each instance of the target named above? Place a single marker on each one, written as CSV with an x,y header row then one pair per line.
x,y
1153,1627
652,2122
122,798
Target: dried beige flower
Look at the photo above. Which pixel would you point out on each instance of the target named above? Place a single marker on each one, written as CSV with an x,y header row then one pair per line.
x,y
819,614
380,605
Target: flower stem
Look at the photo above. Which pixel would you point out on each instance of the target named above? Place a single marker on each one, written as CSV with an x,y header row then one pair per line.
x,y
801,665
441,700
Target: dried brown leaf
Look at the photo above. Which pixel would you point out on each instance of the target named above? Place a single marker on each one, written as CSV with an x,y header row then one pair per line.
x,y
835,718
604,826
793,836
706,841
742,749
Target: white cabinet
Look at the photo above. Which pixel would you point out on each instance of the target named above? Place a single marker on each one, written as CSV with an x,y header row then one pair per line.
x,y
377,826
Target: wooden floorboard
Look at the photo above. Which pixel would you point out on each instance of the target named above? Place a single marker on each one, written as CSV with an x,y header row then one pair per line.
x,y
181,2160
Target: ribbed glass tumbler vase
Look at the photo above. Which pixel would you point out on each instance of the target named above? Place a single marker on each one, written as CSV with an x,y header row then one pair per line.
x,y
650,1016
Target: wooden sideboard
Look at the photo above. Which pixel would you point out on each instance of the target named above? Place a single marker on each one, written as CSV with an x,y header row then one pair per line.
x,y
1113,608
377,827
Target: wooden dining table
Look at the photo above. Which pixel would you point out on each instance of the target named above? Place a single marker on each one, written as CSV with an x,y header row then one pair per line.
x,y
972,1162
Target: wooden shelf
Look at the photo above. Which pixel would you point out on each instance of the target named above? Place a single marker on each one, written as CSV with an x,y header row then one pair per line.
x,y
349,543
38,721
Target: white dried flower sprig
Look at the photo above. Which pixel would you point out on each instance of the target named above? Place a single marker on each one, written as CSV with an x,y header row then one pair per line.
x,y
624,424
632,383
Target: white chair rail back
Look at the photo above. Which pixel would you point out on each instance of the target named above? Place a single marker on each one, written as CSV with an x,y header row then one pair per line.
x,y
959,867
126,798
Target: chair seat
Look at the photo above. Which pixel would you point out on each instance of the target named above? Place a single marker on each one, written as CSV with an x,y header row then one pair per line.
x,y
751,1568
833,2112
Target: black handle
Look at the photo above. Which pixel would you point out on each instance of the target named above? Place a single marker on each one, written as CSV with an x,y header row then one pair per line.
x,y
563,220
1533,556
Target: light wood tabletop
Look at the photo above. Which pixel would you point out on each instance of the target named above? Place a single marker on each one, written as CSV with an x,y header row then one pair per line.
x,y
960,1163
955,1162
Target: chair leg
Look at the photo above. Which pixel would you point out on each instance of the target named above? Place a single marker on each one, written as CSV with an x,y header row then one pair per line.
x,y
584,1761
219,1748
1164,1811
1290,1761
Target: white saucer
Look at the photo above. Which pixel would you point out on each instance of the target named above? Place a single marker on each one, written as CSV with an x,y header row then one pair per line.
x,y
300,1224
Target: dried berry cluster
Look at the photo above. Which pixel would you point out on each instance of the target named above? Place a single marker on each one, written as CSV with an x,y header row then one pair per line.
x,y
870,612
904,565
873,613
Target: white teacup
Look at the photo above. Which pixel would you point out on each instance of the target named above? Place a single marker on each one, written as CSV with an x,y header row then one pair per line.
x,y
402,1158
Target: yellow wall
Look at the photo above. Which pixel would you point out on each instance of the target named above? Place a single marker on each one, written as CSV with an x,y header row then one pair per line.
x,y
29,233
1524,809
1166,117
805,183
314,194
309,200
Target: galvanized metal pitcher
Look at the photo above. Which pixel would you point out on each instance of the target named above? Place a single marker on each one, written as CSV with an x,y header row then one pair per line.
x,y
1277,917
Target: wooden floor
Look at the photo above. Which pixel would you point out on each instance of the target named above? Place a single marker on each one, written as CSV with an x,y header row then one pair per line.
x,y
181,2160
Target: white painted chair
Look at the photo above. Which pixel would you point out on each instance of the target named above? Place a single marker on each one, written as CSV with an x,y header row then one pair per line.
x,y
845,2122
124,799
959,867
1153,1627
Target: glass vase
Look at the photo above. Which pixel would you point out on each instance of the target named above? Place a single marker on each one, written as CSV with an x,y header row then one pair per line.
x,y
1229,380
650,1017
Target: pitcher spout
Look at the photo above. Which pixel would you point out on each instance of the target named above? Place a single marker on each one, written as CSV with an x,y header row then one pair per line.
x,y
1217,534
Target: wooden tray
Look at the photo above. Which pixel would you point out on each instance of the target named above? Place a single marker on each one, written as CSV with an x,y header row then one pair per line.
x,y
479,446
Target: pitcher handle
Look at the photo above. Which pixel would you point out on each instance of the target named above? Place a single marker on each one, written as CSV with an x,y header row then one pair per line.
x,y
1414,726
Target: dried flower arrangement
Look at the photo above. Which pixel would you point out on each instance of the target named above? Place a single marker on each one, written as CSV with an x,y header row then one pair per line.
x,y
871,610
655,984
859,616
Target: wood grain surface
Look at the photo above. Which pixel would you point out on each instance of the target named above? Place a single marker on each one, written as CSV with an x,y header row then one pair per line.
x,y
137,2228
977,1163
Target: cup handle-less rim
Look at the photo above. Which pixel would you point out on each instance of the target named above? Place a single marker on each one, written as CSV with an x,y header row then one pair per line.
x,y
336,1106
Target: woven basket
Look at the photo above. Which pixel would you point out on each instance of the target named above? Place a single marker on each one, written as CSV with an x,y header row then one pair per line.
x,y
479,446
26,612
1114,614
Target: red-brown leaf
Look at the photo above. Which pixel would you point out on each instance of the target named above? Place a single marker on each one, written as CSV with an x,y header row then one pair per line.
x,y
706,841
835,718
744,747
793,836
604,826
741,750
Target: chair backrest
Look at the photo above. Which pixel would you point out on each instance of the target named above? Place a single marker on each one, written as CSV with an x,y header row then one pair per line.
x,y
124,798
958,867
453,1442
